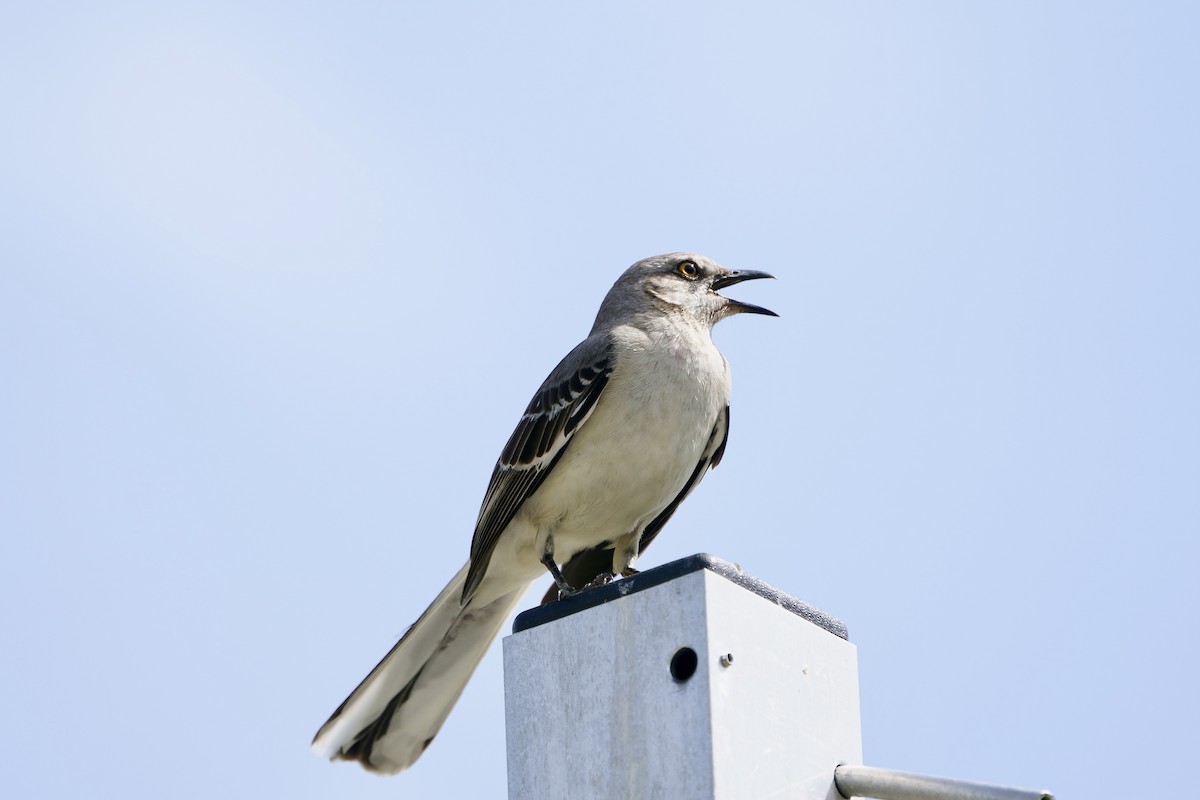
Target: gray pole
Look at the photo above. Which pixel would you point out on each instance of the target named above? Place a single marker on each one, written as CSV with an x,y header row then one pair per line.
x,y
687,681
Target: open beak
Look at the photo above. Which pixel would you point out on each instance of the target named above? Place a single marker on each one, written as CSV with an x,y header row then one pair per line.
x,y
737,276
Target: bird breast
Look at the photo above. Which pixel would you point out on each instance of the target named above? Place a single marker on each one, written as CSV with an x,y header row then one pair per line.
x,y
647,433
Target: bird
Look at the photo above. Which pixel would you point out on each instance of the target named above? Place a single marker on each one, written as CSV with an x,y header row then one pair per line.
x,y
615,438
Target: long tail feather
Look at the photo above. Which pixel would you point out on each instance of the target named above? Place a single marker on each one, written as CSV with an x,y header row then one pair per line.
x,y
388,721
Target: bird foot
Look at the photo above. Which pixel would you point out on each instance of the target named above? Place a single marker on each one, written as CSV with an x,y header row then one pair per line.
x,y
603,579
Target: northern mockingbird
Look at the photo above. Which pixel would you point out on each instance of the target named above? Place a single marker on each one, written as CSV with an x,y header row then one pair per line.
x,y
615,438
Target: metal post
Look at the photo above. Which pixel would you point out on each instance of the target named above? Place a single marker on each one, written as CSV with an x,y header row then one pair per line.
x,y
689,681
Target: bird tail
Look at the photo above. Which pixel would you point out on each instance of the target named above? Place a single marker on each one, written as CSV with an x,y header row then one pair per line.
x,y
388,721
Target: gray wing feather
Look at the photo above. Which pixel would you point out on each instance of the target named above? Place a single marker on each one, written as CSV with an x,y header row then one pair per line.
x,y
562,404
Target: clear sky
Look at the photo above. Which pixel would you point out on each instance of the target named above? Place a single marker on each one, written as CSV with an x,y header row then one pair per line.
x,y
277,280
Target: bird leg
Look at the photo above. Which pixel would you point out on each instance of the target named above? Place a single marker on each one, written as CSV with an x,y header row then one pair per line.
x,y
564,589
625,553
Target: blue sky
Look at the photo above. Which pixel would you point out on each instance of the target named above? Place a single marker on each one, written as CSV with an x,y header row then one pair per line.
x,y
276,281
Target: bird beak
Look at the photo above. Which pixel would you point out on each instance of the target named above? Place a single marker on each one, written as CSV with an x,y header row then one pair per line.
x,y
737,306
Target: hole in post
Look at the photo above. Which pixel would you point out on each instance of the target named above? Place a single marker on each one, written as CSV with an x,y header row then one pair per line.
x,y
684,663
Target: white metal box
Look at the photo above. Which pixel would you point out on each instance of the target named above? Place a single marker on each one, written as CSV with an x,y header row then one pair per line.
x,y
603,700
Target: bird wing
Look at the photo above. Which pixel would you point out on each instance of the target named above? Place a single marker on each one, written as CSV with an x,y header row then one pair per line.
x,y
586,565
561,406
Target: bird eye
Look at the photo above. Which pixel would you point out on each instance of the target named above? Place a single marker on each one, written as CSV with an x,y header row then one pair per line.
x,y
689,270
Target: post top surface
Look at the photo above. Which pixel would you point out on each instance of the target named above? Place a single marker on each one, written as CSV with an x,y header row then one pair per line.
x,y
670,571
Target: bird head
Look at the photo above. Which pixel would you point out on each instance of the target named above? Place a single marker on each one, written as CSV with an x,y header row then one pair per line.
x,y
686,283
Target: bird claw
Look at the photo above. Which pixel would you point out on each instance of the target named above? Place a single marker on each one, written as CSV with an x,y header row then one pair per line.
x,y
565,589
